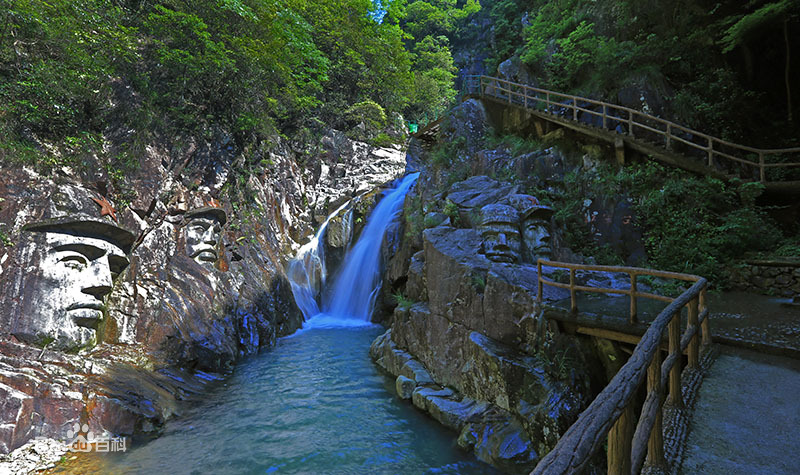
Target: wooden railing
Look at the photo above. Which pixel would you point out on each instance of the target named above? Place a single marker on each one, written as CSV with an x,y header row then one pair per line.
x,y
749,163
612,414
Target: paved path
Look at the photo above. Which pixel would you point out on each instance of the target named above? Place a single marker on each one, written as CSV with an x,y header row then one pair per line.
x,y
747,417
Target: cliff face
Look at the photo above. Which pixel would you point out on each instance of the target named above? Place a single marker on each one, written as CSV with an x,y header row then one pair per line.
x,y
466,343
121,298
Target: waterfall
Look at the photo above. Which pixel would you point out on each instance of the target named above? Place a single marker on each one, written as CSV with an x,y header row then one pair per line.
x,y
307,273
359,280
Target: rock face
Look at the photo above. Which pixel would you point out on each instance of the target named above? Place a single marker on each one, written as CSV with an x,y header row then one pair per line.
x,y
471,347
113,312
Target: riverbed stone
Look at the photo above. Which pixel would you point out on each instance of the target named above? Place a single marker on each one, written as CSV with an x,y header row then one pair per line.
x,y
416,372
502,443
404,387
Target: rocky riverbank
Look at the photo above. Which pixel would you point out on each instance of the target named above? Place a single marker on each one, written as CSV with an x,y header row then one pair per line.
x,y
119,307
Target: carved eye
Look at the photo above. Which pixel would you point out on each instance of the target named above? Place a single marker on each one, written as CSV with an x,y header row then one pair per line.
x,y
75,262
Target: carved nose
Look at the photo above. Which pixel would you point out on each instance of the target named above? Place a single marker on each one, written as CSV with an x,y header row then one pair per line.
x,y
210,237
501,238
98,284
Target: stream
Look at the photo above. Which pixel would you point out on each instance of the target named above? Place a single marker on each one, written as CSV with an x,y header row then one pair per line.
x,y
315,403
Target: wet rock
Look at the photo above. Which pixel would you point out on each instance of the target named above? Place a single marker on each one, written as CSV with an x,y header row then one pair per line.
x,y
447,407
501,443
171,324
467,121
404,387
37,454
477,192
453,269
416,285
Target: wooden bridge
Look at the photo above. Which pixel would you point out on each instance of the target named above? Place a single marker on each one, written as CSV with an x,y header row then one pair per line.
x,y
777,169
611,415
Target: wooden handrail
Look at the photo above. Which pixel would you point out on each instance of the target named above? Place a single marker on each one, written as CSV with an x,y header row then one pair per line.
x,y
711,149
612,411
633,272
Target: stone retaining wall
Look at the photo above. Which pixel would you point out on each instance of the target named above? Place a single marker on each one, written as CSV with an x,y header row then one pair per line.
x,y
768,277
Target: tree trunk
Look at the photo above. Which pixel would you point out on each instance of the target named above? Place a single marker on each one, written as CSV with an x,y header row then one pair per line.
x,y
786,72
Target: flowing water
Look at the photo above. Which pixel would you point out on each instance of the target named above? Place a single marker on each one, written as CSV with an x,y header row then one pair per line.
x,y
359,280
314,403
307,272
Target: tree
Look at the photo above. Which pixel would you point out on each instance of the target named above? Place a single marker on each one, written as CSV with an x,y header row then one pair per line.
x,y
747,27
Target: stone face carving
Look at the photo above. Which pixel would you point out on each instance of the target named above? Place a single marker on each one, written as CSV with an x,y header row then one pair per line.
x,y
536,233
74,264
535,226
500,233
202,234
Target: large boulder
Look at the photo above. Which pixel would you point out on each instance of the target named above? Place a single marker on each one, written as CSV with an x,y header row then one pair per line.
x,y
192,251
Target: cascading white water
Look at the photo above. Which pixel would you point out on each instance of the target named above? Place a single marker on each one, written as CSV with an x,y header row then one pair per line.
x,y
359,279
307,271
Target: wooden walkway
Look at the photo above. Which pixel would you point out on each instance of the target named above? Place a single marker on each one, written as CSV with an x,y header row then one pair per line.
x,y
679,429
635,436
674,144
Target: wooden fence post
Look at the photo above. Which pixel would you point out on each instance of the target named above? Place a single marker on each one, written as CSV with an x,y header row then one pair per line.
x,y
710,153
630,123
675,349
620,439
669,136
694,343
575,108
604,117
540,288
633,298
655,444
574,304
706,325
762,172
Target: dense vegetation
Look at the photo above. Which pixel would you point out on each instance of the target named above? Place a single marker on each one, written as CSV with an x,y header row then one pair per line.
x,y
74,72
720,67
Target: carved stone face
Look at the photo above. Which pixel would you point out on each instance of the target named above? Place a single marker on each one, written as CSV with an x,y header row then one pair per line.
x,y
67,299
202,238
500,232
536,238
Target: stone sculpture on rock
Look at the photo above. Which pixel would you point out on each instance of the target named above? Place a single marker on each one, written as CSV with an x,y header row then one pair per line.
x,y
202,234
74,264
536,233
535,226
500,233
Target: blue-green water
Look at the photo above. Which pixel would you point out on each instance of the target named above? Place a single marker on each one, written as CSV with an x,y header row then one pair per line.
x,y
315,403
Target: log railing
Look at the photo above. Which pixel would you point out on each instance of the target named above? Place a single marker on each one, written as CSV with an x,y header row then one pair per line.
x,y
612,413
749,163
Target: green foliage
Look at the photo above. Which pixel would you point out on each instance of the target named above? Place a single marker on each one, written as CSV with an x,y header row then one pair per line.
x,y
434,74
745,26
789,247
402,301
453,212
515,144
369,113
479,283
691,224
250,67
